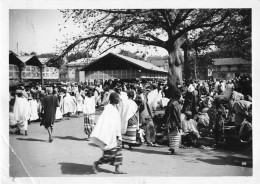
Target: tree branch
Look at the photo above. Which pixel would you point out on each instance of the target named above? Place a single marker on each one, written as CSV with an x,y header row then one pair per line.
x,y
194,26
122,39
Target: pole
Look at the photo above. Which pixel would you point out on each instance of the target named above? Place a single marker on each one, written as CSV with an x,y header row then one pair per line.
x,y
42,81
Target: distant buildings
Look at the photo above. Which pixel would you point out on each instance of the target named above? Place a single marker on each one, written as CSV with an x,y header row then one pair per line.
x,y
231,67
23,68
70,72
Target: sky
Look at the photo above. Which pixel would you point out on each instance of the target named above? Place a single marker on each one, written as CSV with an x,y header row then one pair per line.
x,y
37,31
34,30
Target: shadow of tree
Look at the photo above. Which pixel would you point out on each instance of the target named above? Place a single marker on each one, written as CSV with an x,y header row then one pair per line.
x,y
229,160
70,138
31,139
79,169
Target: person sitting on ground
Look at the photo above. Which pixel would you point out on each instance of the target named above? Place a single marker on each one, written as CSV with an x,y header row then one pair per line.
x,y
189,125
203,121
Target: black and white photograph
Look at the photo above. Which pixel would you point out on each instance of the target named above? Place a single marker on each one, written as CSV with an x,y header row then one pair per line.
x,y
129,91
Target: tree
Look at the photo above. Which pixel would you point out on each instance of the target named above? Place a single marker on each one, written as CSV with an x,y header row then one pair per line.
x,y
78,55
33,53
165,28
46,55
232,38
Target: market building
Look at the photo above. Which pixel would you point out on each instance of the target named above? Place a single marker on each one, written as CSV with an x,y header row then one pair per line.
x,y
115,66
231,67
30,68
70,72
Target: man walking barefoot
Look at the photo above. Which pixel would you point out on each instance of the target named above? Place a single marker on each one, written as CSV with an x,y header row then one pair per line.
x,y
49,105
107,135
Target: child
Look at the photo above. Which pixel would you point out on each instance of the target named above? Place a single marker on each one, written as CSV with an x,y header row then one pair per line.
x,y
89,113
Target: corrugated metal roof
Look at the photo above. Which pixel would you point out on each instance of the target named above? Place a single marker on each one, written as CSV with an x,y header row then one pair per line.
x,y
141,63
230,61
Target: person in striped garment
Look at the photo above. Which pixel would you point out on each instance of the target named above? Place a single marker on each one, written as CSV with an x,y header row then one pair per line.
x,y
130,121
107,135
172,118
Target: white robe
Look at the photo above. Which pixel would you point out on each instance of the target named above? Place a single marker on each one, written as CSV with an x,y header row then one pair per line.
x,y
108,127
58,114
153,98
68,104
129,108
79,102
22,112
89,106
34,110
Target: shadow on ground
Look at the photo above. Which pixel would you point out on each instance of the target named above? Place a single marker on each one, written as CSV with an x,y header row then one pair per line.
x,y
147,151
31,139
92,144
229,160
79,169
70,138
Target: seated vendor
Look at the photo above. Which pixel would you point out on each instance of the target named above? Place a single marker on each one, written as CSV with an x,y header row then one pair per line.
x,y
189,125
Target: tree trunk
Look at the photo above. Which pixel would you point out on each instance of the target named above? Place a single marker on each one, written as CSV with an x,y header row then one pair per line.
x,y
187,69
175,66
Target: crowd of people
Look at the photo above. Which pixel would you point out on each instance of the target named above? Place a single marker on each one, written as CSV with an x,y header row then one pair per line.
x,y
201,113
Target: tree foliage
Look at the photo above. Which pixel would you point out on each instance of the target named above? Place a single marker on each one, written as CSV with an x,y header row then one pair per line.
x,y
130,54
165,28
234,35
78,55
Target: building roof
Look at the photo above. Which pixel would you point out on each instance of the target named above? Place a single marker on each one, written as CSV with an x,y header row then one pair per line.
x,y
31,60
117,61
13,59
230,61
141,63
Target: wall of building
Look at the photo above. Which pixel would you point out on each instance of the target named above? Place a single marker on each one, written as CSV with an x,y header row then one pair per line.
x,y
90,76
231,71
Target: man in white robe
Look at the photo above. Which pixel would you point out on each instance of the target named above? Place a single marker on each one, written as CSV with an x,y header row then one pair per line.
x,y
69,105
107,135
21,111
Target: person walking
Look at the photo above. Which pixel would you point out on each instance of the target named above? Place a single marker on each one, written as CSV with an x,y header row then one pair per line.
x,y
89,110
21,111
130,121
107,135
172,118
49,107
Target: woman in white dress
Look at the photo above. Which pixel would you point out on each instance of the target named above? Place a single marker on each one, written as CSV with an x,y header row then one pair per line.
x,y
34,107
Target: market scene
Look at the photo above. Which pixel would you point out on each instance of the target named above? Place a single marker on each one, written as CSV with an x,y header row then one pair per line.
x,y
184,112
